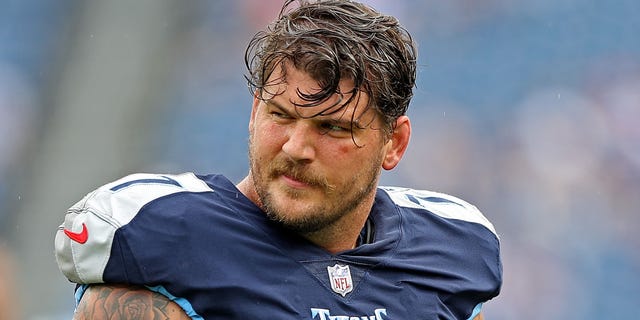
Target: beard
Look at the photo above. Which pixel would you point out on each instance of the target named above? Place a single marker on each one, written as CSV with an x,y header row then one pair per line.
x,y
312,214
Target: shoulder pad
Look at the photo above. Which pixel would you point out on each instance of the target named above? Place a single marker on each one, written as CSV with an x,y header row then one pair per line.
x,y
83,241
441,204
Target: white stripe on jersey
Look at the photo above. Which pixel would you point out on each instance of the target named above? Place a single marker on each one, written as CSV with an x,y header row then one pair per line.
x,y
443,205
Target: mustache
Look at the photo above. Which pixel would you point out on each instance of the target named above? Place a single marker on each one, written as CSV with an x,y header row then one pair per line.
x,y
299,172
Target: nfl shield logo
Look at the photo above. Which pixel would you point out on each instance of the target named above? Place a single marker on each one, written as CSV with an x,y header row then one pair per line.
x,y
340,279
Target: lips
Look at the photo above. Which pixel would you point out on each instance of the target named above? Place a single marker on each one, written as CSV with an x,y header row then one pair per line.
x,y
293,182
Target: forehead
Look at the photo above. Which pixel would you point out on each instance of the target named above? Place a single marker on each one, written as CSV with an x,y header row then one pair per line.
x,y
288,86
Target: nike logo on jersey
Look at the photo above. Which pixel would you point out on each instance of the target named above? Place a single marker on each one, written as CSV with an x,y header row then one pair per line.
x,y
79,237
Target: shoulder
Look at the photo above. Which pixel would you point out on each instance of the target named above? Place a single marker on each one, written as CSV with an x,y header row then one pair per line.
x,y
83,241
124,197
449,237
124,302
440,204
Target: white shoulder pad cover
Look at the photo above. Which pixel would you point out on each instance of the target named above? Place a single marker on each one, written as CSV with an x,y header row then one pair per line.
x,y
450,208
83,241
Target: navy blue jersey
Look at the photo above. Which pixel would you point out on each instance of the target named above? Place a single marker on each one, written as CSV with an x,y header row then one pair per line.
x,y
202,243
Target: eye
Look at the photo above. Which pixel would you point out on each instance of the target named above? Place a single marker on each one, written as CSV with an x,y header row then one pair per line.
x,y
279,115
331,126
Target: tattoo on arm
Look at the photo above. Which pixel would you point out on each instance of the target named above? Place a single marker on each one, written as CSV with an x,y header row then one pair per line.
x,y
121,302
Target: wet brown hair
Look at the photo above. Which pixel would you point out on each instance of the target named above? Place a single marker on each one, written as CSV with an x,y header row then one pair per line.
x,y
332,40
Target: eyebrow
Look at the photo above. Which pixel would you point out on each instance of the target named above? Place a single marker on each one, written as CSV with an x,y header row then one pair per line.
x,y
274,103
341,121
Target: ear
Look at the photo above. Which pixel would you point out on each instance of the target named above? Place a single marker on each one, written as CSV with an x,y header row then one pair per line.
x,y
398,143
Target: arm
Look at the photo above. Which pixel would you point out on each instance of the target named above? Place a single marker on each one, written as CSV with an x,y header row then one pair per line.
x,y
479,317
121,302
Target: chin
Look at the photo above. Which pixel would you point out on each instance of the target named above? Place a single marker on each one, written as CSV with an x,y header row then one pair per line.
x,y
300,226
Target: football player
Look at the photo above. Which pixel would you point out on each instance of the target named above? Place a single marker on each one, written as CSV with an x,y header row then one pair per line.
x,y
308,233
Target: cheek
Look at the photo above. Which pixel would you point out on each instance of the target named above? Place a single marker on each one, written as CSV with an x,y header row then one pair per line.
x,y
344,150
269,137
341,154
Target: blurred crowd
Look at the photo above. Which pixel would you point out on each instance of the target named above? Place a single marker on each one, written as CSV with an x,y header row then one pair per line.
x,y
529,110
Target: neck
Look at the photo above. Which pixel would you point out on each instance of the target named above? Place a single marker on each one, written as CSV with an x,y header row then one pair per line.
x,y
333,246
343,234
248,190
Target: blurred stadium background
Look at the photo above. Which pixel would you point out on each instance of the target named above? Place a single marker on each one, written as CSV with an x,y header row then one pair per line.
x,y
528,109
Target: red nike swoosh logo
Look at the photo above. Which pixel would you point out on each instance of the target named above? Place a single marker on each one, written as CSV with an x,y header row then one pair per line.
x,y
79,237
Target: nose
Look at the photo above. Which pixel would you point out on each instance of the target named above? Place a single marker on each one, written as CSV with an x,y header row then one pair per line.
x,y
300,142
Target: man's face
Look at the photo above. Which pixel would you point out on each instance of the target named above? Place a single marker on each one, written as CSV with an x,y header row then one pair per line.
x,y
309,172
